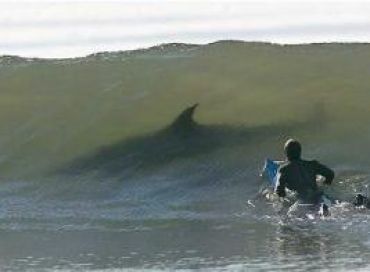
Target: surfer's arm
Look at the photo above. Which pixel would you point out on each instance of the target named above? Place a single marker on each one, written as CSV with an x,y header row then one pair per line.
x,y
281,184
324,171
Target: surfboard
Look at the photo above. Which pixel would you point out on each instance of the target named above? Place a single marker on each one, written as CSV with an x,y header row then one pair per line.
x,y
271,171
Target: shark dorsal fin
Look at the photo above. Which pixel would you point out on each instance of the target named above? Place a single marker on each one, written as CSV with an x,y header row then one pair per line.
x,y
185,120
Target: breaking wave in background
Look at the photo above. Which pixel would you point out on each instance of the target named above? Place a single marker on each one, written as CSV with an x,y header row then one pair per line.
x,y
111,143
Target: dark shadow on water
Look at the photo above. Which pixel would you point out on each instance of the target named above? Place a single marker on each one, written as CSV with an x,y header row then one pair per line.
x,y
183,138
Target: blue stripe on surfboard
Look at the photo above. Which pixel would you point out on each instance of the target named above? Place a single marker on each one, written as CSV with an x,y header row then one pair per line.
x,y
271,171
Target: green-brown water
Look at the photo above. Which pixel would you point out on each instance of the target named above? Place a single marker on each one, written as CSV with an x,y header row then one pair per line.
x,y
97,176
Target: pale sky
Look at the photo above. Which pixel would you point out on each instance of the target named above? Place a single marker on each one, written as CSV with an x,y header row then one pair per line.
x,y
66,28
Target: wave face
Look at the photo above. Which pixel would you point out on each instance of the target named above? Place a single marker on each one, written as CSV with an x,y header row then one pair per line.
x,y
124,116
130,140
54,111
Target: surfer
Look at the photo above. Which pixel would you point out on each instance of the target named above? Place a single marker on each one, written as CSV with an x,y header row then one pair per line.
x,y
300,175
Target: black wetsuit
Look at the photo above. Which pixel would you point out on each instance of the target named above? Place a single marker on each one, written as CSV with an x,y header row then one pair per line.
x,y
300,176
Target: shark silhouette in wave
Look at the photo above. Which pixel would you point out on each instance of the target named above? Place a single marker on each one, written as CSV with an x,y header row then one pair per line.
x,y
184,137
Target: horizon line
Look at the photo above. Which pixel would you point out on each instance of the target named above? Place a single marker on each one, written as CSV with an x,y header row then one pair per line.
x,y
150,47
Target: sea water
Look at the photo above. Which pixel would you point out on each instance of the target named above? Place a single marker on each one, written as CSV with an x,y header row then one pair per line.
x,y
104,167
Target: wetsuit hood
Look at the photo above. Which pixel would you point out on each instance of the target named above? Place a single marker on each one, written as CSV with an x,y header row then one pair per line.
x,y
293,150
